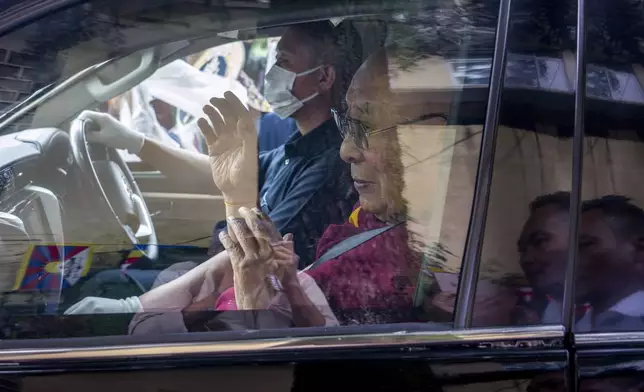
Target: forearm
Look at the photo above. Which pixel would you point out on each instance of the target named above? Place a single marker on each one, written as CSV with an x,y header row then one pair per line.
x,y
305,313
198,283
182,166
251,291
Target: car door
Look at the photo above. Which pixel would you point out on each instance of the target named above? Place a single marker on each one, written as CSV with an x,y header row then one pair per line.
x,y
470,184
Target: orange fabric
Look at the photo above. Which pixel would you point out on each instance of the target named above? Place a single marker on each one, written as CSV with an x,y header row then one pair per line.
x,y
353,218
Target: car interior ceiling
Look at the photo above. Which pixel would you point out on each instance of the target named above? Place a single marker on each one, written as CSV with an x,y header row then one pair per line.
x,y
49,113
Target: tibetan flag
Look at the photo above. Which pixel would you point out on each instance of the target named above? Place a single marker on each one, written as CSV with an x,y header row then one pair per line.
x,y
45,268
131,258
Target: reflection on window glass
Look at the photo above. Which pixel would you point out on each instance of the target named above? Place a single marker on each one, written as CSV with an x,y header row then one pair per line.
x,y
606,83
599,82
357,215
609,277
522,71
544,73
525,240
472,72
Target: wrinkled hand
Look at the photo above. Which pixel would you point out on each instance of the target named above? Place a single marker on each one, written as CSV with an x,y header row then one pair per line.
x,y
286,261
231,136
112,133
257,252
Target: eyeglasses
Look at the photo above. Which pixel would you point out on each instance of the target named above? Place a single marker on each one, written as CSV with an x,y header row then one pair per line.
x,y
360,132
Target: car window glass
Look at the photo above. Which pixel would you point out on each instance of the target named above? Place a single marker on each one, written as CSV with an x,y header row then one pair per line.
x,y
525,236
608,273
370,199
166,106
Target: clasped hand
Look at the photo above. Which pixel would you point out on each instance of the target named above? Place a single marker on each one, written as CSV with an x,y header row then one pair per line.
x,y
263,261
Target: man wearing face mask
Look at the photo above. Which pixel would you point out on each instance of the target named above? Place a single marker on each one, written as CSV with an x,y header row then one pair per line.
x,y
306,186
303,186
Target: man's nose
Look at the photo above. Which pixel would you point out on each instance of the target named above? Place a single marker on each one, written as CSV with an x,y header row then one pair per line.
x,y
528,258
349,152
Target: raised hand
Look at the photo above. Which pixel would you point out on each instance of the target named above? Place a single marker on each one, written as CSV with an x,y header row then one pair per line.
x,y
232,145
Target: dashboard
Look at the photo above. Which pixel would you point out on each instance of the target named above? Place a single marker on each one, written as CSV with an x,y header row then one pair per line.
x,y
34,167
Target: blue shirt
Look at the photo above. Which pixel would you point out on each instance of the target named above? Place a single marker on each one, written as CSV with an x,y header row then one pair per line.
x,y
274,132
304,187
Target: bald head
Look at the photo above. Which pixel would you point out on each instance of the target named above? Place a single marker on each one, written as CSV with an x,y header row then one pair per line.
x,y
376,94
377,106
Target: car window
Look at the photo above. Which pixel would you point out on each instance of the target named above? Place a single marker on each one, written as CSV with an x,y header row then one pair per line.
x,y
360,219
609,226
524,235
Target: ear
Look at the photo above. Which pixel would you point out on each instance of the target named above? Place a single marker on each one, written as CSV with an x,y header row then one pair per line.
x,y
327,77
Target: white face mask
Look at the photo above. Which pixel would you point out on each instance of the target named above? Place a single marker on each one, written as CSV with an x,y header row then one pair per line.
x,y
279,83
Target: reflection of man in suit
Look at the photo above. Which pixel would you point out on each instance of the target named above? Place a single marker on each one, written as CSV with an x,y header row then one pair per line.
x,y
610,274
543,250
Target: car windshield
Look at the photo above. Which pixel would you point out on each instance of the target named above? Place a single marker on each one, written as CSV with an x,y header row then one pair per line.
x,y
305,172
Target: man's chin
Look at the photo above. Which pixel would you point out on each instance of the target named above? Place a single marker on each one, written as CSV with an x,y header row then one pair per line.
x,y
372,204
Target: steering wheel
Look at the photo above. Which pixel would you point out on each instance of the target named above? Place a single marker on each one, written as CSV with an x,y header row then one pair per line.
x,y
113,177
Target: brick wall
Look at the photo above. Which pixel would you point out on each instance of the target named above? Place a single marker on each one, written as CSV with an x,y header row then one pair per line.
x,y
21,73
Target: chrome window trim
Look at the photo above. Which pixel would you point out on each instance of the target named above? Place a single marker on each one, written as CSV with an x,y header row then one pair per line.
x,y
542,336
577,169
476,231
588,340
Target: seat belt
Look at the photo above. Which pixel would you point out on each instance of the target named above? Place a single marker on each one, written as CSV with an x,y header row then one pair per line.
x,y
348,244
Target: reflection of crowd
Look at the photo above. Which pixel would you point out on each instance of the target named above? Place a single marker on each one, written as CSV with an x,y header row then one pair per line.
x,y
609,284
609,274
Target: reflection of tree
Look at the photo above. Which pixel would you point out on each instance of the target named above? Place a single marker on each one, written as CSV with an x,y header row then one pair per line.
x,y
441,31
51,36
615,31
496,272
435,257
546,27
